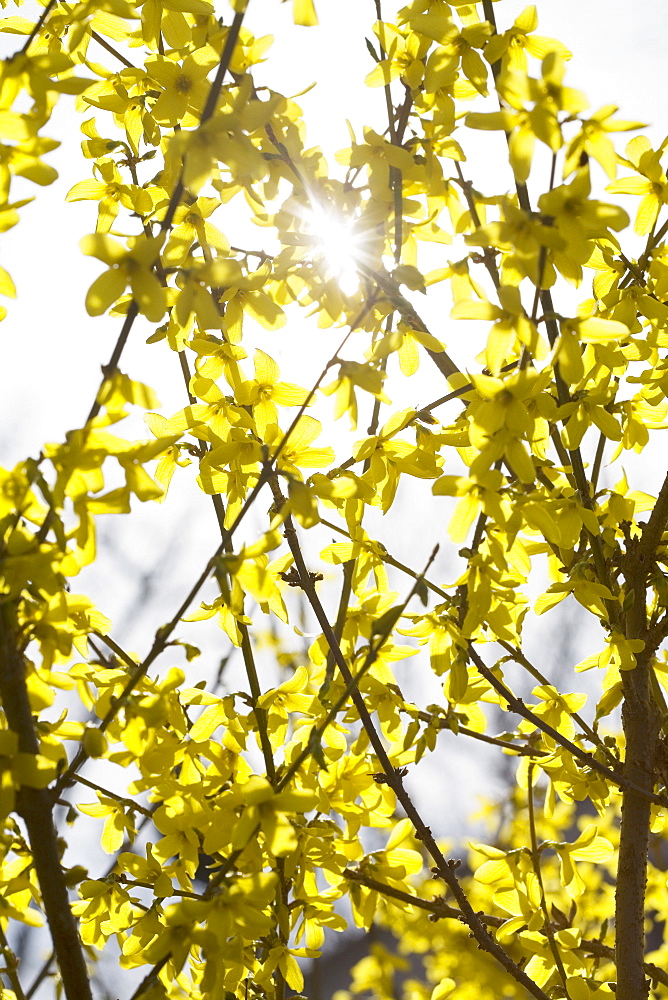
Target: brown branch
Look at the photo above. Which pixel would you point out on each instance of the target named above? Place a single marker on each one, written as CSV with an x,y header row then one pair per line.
x,y
488,254
517,706
446,870
177,193
600,950
339,624
111,366
131,882
588,733
121,799
395,176
535,862
408,313
441,911
640,720
40,977
35,806
654,528
437,906
11,969
151,977
163,634
376,643
444,725
38,25
110,48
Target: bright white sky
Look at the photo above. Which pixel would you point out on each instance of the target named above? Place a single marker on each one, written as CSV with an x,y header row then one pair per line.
x,y
52,350
618,58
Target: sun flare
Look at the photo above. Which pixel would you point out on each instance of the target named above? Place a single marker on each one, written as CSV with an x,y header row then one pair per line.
x,y
338,245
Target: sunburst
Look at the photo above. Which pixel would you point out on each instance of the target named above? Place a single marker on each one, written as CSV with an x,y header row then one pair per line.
x,y
338,244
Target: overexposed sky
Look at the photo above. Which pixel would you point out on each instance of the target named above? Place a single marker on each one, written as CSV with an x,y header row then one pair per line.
x,y
51,347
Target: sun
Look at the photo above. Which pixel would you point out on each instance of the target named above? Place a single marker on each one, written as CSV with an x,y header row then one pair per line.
x,y
338,244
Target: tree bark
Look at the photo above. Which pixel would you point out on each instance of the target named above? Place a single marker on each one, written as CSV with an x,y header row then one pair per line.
x,y
639,718
35,806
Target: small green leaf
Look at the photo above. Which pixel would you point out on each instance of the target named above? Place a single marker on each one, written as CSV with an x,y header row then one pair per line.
x,y
384,625
372,51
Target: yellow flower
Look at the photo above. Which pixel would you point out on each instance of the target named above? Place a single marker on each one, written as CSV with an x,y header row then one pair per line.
x,y
511,325
354,375
216,357
184,86
245,295
221,139
593,140
512,46
455,47
265,391
579,219
404,57
297,452
126,267
548,95
191,225
282,702
501,418
650,183
479,493
379,156
110,192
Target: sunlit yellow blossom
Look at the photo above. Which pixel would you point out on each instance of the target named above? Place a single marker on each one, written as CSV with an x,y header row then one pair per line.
x,y
513,45
184,86
191,224
402,57
131,267
110,192
650,182
265,391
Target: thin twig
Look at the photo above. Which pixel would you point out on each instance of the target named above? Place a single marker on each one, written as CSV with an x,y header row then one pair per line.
x,y
440,910
519,657
38,25
352,686
175,200
535,861
517,706
40,977
446,870
163,634
11,969
122,799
